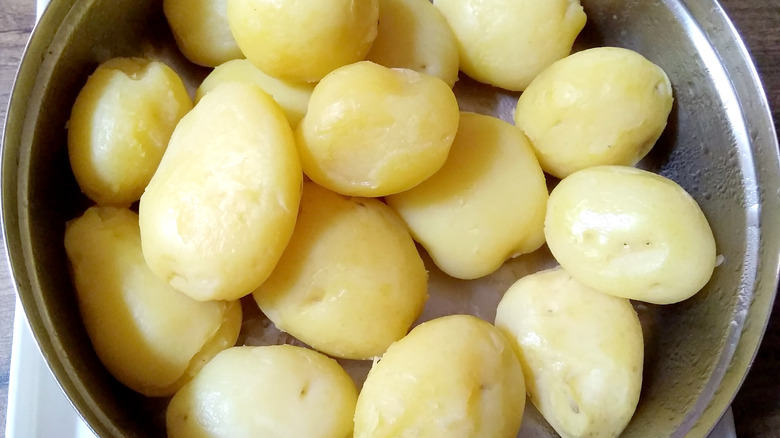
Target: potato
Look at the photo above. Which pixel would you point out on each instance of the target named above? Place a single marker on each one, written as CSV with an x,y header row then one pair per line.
x,y
292,97
201,30
630,233
222,206
484,206
350,282
455,376
374,131
150,337
413,34
581,352
506,43
278,391
120,125
600,106
303,40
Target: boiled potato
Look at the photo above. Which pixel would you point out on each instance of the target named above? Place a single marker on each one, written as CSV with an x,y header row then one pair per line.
x,y
150,337
374,131
303,40
484,206
292,97
506,43
222,206
630,233
455,376
600,106
350,282
581,352
278,391
413,34
201,30
120,125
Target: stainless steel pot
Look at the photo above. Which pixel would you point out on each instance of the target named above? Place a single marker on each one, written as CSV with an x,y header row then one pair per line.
x,y
720,145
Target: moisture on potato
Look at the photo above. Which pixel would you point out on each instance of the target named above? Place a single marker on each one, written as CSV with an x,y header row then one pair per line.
x,y
350,282
278,391
373,131
597,107
455,376
303,40
149,336
413,34
630,233
506,43
581,352
120,125
292,97
201,30
485,205
222,205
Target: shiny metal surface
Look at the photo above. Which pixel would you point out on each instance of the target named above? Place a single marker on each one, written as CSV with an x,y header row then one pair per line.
x,y
720,145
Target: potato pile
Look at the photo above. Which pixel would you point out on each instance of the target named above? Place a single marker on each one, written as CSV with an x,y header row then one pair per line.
x,y
303,177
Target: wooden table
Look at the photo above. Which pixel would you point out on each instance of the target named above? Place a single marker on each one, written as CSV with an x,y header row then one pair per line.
x,y
757,406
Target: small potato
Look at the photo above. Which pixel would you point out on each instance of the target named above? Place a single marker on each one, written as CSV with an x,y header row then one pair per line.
x,y
303,41
374,131
120,125
484,206
350,282
506,43
600,106
413,34
581,352
222,206
455,376
150,337
292,97
201,30
278,391
630,233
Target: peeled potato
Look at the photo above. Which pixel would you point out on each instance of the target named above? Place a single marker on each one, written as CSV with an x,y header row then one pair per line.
x,y
506,43
374,131
350,282
120,125
413,34
222,206
484,206
201,31
455,376
303,40
630,233
150,337
600,106
278,391
581,352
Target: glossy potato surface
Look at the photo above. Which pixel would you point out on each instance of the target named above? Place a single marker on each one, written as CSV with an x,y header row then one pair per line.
x,y
201,30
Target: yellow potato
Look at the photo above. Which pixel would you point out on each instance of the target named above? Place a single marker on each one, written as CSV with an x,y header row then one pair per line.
x,y
600,106
278,391
303,40
374,131
120,125
222,206
484,206
350,282
201,30
413,34
150,337
581,352
506,43
455,376
630,233
292,97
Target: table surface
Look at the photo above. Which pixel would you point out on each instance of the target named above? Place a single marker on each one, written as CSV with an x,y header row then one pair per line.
x,y
757,406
